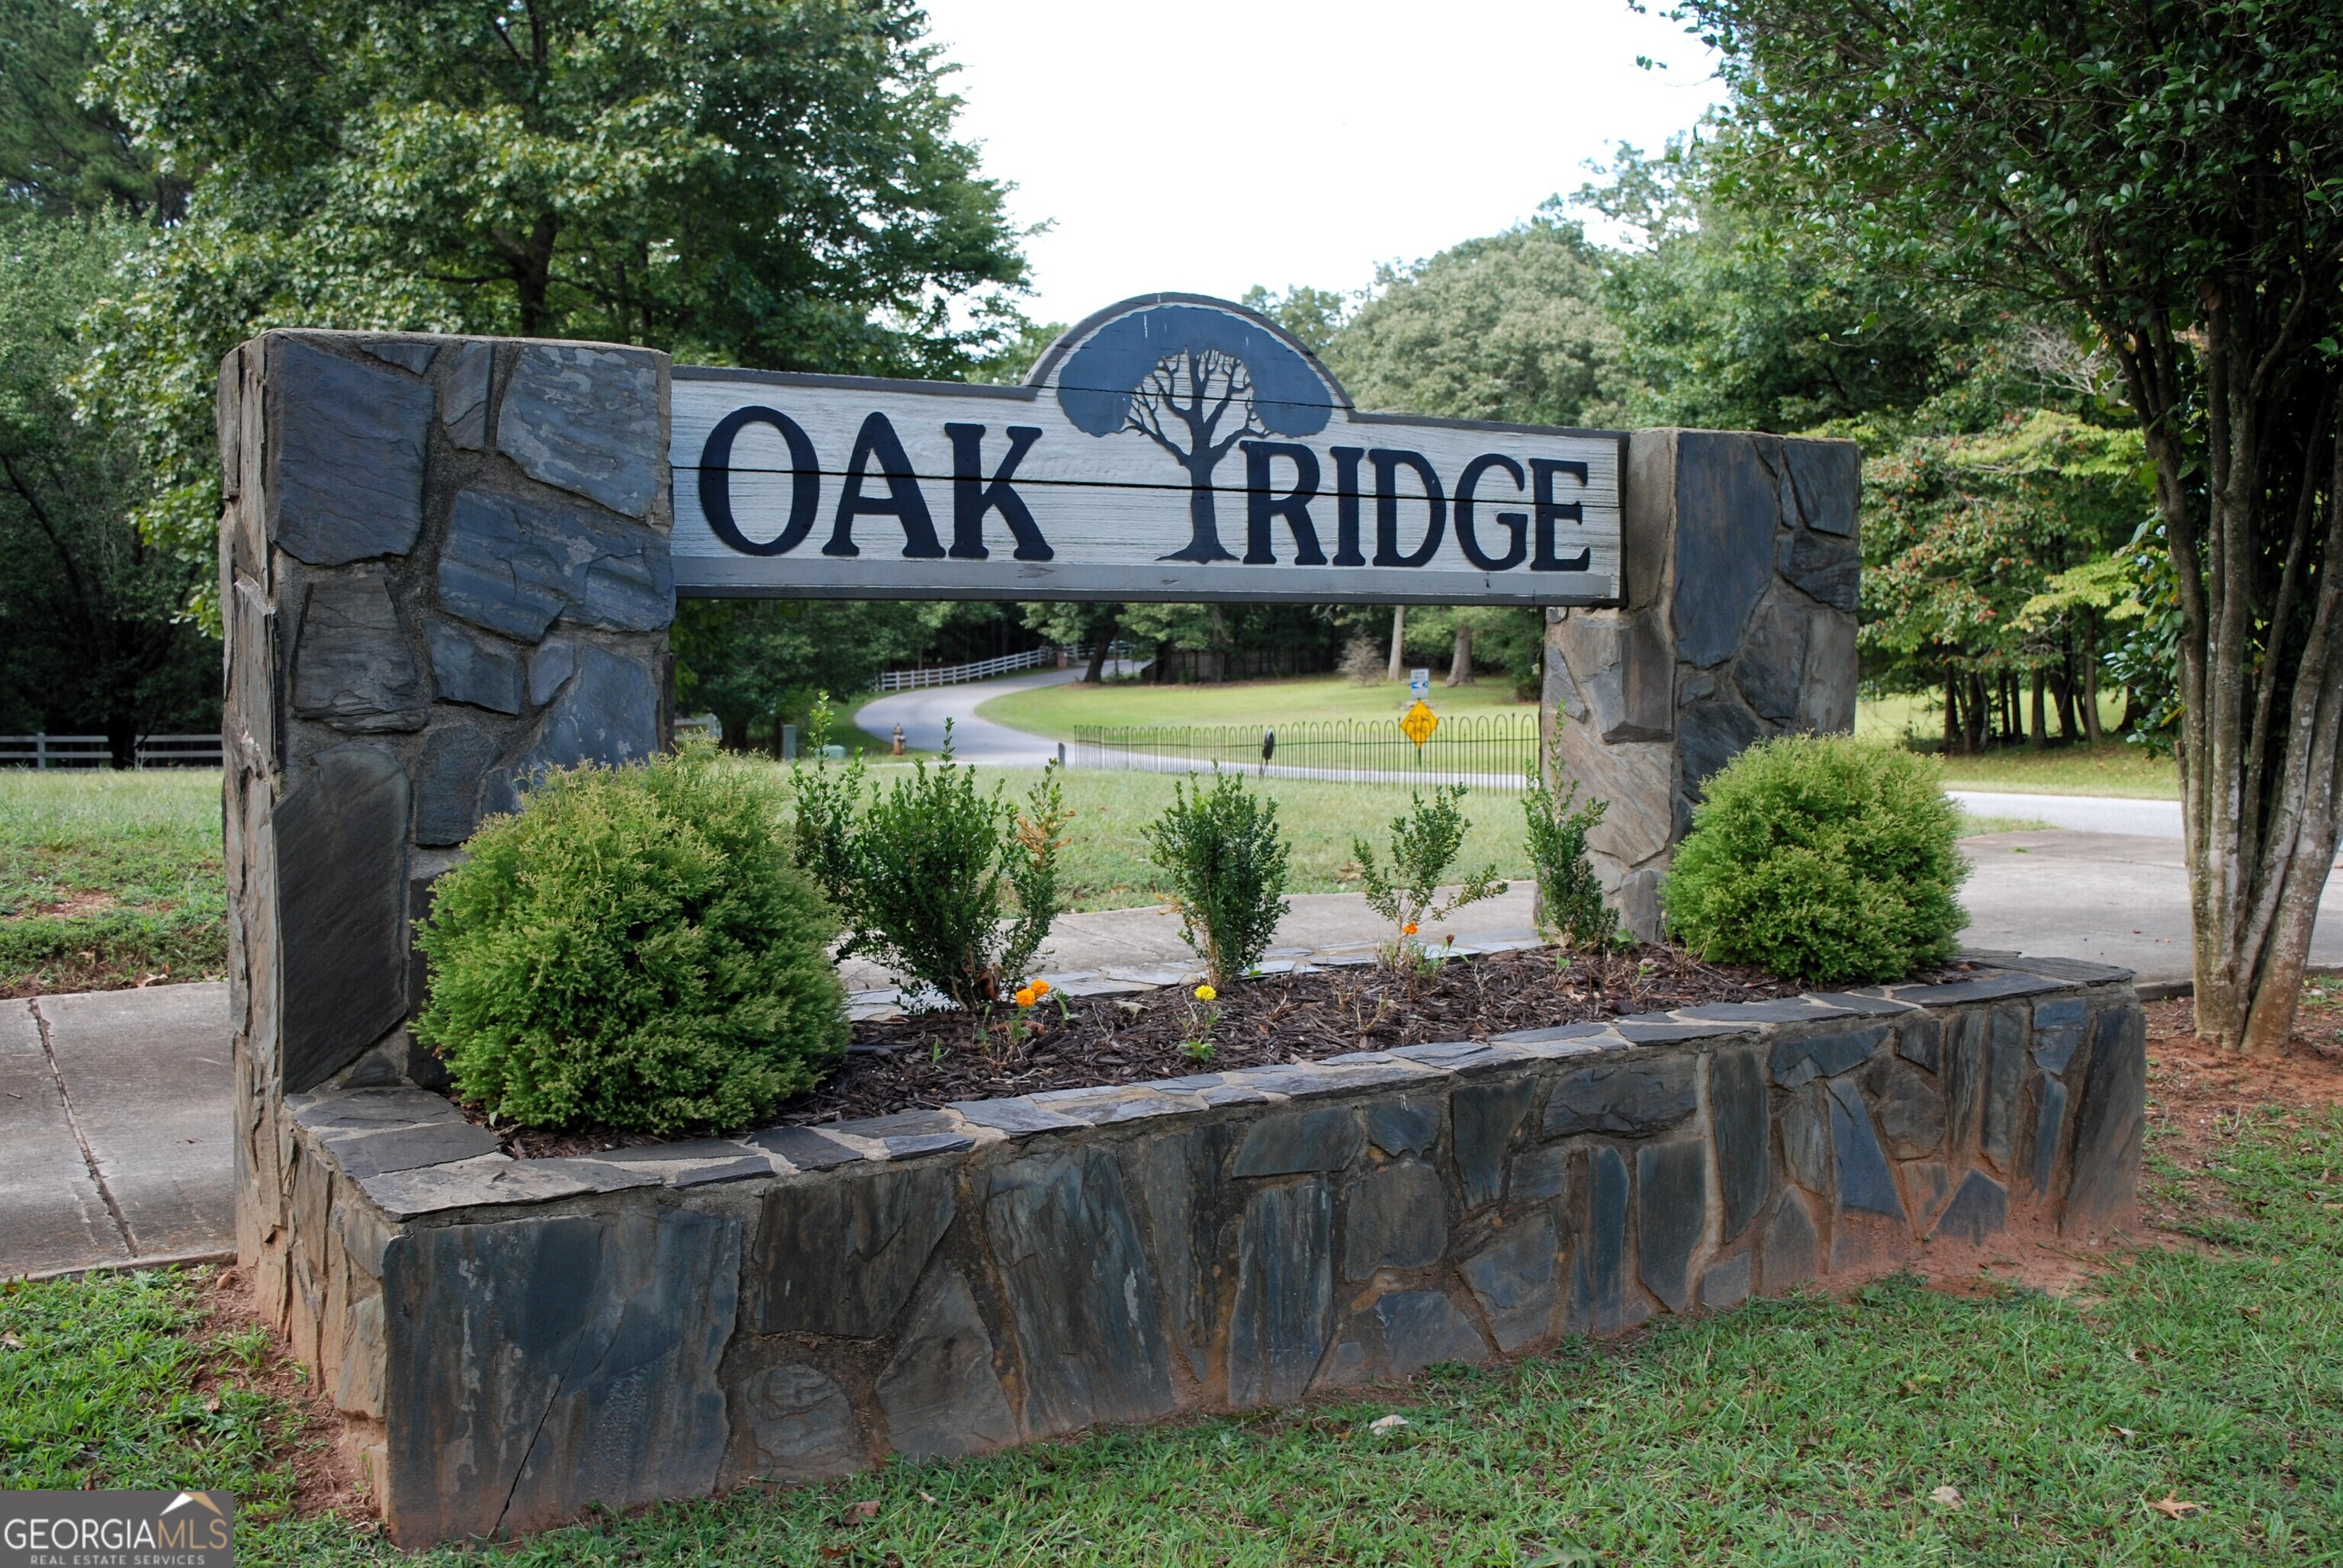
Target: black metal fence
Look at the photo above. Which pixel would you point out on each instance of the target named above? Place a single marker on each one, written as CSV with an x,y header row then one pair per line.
x,y
1486,750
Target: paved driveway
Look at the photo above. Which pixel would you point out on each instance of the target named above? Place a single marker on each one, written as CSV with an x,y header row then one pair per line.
x,y
974,738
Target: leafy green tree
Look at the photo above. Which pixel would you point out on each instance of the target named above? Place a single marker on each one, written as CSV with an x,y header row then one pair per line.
x,y
767,183
1511,326
2172,171
760,662
1087,624
90,633
58,154
1964,535
1731,319
1315,316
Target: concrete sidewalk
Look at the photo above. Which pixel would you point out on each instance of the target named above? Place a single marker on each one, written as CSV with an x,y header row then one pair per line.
x,y
115,1133
115,1128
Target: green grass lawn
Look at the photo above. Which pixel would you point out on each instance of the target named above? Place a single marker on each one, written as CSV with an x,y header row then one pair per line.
x,y
1808,1429
106,879
2111,767
1056,710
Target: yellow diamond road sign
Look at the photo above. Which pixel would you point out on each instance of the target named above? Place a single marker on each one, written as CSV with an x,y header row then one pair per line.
x,y
1418,723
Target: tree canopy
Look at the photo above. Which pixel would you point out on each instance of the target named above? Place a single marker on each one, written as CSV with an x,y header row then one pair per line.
x,y
2170,171
767,183
90,631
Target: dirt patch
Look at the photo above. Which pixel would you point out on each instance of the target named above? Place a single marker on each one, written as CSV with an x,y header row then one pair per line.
x,y
2198,1100
324,1480
2199,1096
1075,1043
70,905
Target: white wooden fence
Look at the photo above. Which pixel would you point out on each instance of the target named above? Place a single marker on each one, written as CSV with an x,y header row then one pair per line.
x,y
92,752
986,668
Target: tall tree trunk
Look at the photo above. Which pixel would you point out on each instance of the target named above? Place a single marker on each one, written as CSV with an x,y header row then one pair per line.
x,y
2259,792
1974,716
1399,643
1101,640
1952,714
1460,658
2090,690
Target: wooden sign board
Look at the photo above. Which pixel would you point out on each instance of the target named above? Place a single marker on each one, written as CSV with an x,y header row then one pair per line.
x,y
1170,447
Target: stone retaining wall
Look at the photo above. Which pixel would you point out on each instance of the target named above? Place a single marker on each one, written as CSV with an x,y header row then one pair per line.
x,y
514,1340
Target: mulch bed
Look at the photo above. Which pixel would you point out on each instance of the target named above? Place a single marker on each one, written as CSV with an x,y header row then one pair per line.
x,y
921,1061
928,1061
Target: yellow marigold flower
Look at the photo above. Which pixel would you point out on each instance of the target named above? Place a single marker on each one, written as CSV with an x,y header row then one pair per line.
x,y
1206,994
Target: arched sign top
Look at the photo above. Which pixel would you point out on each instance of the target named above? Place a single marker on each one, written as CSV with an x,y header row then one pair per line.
x,y
1171,447
1095,368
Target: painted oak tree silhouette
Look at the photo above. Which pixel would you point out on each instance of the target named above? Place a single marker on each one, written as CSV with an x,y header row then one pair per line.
x,y
1195,380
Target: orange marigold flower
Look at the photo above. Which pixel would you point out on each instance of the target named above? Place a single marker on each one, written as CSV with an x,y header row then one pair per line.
x,y
1408,929
1040,988
1025,997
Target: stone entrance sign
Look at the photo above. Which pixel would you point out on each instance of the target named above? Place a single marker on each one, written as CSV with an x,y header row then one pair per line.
x,y
1168,447
448,563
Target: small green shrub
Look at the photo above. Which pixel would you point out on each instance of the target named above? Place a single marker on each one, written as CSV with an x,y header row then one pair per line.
x,y
634,950
821,827
1570,893
1424,845
1228,865
930,861
1823,861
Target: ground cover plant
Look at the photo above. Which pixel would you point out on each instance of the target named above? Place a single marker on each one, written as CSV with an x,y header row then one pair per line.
x,y
1554,824
634,950
1225,858
1826,860
921,870
1405,886
2178,1405
109,878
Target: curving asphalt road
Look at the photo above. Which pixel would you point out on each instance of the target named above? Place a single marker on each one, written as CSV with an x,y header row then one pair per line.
x,y
2082,813
974,740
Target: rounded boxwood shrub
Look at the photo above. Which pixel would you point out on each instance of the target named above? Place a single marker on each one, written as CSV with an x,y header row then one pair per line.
x,y
1822,860
635,950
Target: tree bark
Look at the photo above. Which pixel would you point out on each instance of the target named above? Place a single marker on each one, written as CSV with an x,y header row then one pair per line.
x,y
2041,736
2091,691
1399,643
1952,714
1460,658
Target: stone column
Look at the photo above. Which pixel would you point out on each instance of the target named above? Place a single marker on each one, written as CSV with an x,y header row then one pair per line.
x,y
443,567
1741,570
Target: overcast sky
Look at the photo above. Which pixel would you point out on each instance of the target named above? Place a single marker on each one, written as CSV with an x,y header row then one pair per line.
x,y
1212,144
